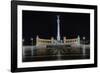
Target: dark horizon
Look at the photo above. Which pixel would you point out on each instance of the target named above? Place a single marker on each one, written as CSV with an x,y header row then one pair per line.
x,y
44,24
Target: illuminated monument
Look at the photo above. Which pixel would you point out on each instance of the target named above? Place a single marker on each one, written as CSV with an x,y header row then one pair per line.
x,y
61,48
57,41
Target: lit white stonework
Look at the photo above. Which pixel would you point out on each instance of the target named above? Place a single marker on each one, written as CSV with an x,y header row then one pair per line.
x,y
58,28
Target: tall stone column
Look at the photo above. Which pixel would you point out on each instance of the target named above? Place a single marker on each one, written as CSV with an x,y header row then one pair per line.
x,y
58,28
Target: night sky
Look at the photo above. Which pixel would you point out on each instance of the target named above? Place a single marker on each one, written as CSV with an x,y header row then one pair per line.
x,y
44,24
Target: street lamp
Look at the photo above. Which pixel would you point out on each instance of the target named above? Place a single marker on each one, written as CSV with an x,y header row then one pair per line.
x,y
23,41
32,47
84,46
32,41
23,49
